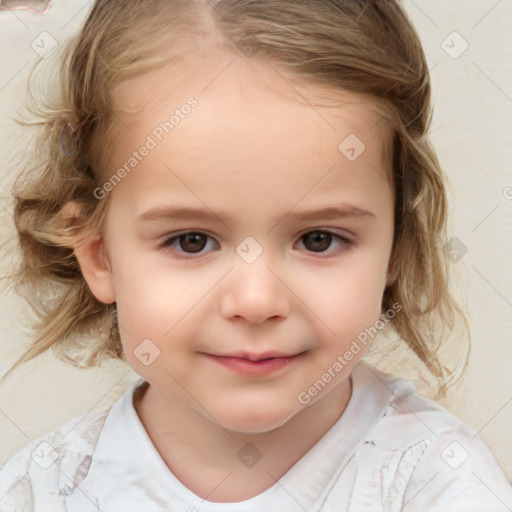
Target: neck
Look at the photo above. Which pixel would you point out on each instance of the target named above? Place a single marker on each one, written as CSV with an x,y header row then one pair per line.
x,y
221,465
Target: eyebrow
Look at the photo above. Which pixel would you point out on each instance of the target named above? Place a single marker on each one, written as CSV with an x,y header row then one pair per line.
x,y
170,212
326,212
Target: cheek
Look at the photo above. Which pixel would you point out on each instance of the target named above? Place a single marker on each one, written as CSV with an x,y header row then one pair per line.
x,y
345,297
154,297
143,295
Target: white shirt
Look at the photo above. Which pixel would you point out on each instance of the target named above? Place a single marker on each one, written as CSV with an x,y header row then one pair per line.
x,y
391,450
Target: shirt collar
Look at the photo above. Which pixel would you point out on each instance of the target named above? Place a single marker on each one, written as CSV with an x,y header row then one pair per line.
x,y
127,471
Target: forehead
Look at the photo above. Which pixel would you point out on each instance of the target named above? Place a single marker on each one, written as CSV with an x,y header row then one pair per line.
x,y
254,124
220,80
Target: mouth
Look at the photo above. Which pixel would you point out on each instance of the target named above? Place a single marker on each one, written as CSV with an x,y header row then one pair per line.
x,y
251,364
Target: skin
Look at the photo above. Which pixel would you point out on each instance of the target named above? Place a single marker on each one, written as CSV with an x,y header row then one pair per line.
x,y
255,150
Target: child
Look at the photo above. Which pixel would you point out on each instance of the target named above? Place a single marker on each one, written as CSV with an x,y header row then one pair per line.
x,y
258,131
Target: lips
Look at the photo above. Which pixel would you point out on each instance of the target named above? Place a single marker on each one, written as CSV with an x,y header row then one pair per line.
x,y
255,364
256,357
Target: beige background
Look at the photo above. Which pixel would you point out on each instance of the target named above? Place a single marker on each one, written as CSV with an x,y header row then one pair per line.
x,y
472,134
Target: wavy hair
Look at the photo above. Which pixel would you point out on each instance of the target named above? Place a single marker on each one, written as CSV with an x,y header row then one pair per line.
x,y
363,46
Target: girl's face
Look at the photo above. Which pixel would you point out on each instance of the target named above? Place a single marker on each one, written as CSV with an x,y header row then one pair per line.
x,y
255,314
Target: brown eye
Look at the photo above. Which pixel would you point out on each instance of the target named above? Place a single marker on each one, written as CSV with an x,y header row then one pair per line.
x,y
187,243
192,242
321,241
317,241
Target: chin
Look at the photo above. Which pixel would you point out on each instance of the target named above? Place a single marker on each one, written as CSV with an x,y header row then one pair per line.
x,y
254,420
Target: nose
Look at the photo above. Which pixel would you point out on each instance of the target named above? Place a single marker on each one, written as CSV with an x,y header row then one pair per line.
x,y
254,291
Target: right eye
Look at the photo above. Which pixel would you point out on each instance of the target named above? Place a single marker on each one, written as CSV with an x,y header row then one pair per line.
x,y
188,242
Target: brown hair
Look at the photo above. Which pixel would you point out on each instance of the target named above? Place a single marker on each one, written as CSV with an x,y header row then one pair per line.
x,y
364,46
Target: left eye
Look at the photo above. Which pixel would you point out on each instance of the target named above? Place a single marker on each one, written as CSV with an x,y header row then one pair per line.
x,y
320,241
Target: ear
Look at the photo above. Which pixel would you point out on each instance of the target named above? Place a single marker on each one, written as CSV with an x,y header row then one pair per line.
x,y
392,269
95,267
90,251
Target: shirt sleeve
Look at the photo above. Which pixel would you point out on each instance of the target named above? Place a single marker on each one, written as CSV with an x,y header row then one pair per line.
x,y
458,473
49,468
15,488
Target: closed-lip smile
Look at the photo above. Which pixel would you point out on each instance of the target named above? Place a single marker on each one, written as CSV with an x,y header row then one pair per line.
x,y
254,364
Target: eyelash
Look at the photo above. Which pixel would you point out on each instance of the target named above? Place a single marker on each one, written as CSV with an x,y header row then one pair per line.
x,y
166,245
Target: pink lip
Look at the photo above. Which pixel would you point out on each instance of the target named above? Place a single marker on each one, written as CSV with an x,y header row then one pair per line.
x,y
254,364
